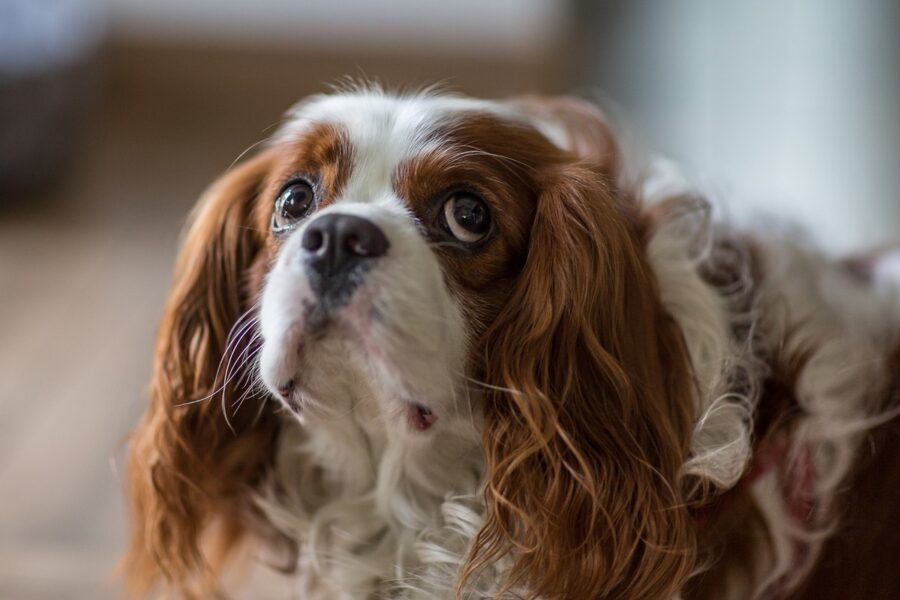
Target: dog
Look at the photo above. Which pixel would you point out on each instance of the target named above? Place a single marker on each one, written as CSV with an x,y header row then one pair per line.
x,y
431,346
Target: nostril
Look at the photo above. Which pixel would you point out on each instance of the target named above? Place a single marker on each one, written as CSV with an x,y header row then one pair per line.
x,y
353,244
313,240
363,238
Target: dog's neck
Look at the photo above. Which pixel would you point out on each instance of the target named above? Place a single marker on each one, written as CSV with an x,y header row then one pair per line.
x,y
362,498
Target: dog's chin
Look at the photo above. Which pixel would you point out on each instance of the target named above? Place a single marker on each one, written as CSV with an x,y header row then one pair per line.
x,y
326,353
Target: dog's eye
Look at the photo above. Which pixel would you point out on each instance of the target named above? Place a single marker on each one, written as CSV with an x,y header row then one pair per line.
x,y
467,217
293,203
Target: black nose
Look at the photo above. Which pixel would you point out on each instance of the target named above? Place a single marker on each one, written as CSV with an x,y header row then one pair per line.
x,y
334,243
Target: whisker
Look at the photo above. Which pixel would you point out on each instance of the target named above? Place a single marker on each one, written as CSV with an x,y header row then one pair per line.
x,y
234,335
507,162
230,370
231,341
259,411
246,150
248,348
249,376
470,409
246,372
489,386
251,382
225,415
250,392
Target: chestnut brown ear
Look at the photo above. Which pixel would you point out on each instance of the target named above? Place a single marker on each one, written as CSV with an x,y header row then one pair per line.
x,y
577,126
588,411
187,467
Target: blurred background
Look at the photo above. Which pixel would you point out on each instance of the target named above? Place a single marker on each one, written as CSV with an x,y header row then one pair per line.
x,y
114,115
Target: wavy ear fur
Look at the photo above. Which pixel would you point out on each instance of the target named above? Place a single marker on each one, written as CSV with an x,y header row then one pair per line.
x,y
588,411
187,469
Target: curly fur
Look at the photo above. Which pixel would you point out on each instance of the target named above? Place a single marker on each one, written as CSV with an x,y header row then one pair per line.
x,y
609,375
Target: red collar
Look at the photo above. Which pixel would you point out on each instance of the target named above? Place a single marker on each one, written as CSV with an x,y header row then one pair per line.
x,y
796,475
795,470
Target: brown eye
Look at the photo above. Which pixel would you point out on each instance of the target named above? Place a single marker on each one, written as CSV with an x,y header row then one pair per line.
x,y
467,217
293,203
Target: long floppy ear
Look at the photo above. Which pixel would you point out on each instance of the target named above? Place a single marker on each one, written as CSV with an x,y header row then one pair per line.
x,y
588,410
189,469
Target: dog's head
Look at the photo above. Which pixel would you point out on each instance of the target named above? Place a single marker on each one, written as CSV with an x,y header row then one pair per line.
x,y
428,268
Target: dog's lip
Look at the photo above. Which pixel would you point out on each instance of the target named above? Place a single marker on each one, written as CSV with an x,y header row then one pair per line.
x,y
419,416
286,389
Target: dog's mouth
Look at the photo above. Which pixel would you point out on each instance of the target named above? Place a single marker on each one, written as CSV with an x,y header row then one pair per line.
x,y
419,416
287,395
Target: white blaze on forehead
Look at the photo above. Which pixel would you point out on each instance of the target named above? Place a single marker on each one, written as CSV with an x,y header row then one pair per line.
x,y
382,130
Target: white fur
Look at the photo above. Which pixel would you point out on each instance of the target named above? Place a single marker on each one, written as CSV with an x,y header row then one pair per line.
x,y
383,511
375,505
725,368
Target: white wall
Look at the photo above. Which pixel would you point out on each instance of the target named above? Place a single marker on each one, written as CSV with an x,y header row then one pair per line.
x,y
789,108
467,27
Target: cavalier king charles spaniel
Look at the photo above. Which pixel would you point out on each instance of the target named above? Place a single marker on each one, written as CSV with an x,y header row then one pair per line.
x,y
429,346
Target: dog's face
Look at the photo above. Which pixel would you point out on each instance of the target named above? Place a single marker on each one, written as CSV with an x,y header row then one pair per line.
x,y
397,229
420,268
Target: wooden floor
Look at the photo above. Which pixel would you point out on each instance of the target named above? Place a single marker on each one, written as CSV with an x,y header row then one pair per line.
x,y
84,269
